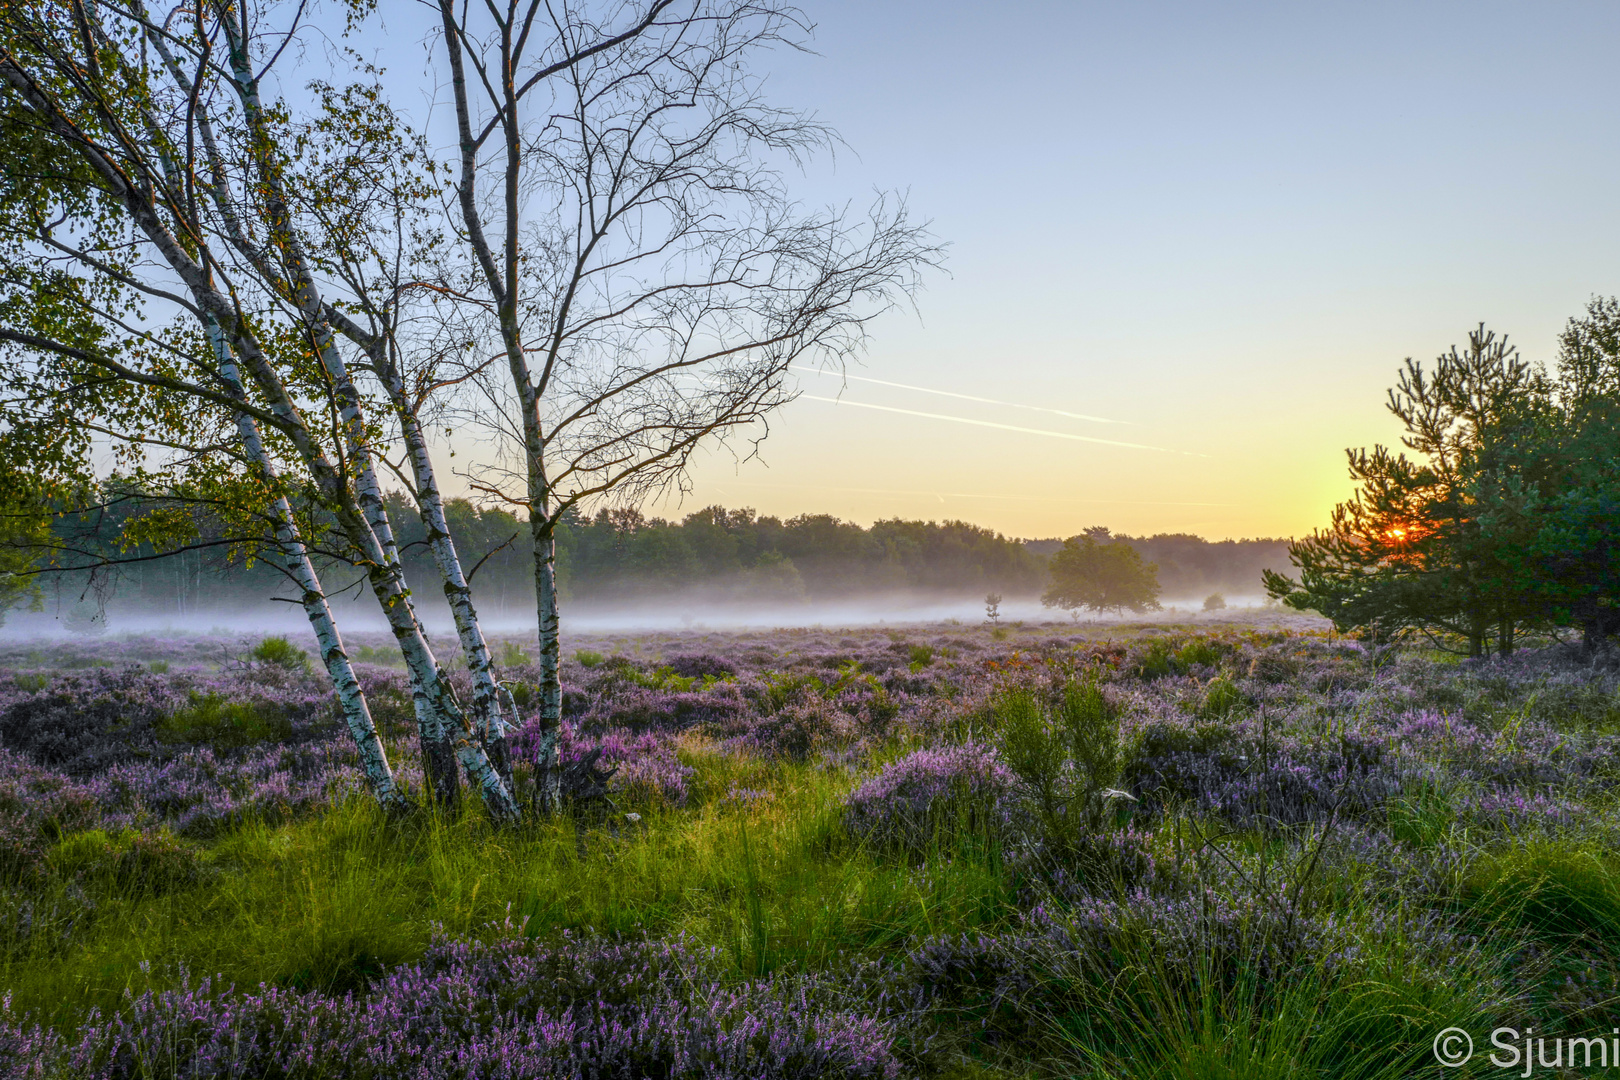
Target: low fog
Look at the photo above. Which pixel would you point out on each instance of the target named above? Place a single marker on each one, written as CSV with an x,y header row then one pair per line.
x,y
65,617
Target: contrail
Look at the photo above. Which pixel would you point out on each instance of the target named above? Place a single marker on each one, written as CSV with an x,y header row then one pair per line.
x,y
1003,427
776,485
964,397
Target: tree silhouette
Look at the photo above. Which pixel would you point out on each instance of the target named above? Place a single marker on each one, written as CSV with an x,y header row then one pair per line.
x,y
1097,576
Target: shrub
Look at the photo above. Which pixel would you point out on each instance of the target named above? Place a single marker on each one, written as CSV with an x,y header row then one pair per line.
x,y
1229,768
797,730
589,659
72,724
1201,651
920,656
1153,662
933,795
214,719
782,687
512,655
1272,666
514,1008
1215,602
281,653
1064,756
702,666
385,654
1222,698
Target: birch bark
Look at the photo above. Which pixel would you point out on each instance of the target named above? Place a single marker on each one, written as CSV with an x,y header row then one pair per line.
x,y
486,707
438,751
502,281
352,700
435,702
548,777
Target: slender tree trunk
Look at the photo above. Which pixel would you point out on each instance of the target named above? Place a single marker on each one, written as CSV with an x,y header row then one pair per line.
x,y
352,700
486,708
446,734
441,719
436,730
548,776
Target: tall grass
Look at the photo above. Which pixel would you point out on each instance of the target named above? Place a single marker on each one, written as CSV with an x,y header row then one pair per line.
x,y
328,902
1368,1017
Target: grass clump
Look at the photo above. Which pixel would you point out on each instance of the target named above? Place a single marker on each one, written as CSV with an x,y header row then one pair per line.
x,y
218,721
281,653
1222,699
128,862
1558,890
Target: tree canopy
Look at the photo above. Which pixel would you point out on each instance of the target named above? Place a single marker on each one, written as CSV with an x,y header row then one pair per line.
x,y
1502,520
1089,573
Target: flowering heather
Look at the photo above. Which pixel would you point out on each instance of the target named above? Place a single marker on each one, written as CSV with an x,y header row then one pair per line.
x,y
647,761
36,806
1385,782
198,792
511,1009
909,803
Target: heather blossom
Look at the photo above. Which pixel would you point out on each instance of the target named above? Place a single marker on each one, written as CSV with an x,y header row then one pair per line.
x,y
911,801
514,1008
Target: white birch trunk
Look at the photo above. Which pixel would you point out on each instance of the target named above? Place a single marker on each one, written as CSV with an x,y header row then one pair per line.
x,y
438,725
548,776
435,702
489,722
351,699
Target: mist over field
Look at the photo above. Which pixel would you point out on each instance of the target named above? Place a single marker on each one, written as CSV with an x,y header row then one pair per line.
x,y
622,570
656,612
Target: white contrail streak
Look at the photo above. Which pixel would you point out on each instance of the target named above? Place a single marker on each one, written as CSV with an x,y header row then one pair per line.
x,y
777,485
993,424
963,397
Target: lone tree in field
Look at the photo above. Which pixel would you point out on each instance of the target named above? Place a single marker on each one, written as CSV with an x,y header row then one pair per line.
x,y
1088,573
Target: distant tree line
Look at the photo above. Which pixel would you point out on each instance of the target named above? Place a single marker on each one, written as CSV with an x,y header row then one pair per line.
x,y
714,554
1505,518
744,554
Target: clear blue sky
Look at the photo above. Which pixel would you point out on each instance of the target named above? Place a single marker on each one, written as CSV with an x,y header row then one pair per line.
x,y
1226,224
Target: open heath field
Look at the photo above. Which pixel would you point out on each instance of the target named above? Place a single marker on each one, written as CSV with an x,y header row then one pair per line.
x,y
1126,850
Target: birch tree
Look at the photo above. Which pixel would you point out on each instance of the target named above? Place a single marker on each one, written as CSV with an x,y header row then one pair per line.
x,y
159,207
630,248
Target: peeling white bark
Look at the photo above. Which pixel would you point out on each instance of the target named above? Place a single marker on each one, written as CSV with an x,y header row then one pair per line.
x,y
351,699
490,723
445,728
548,776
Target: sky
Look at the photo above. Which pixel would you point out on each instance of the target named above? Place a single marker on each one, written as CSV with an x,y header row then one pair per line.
x,y
1220,228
